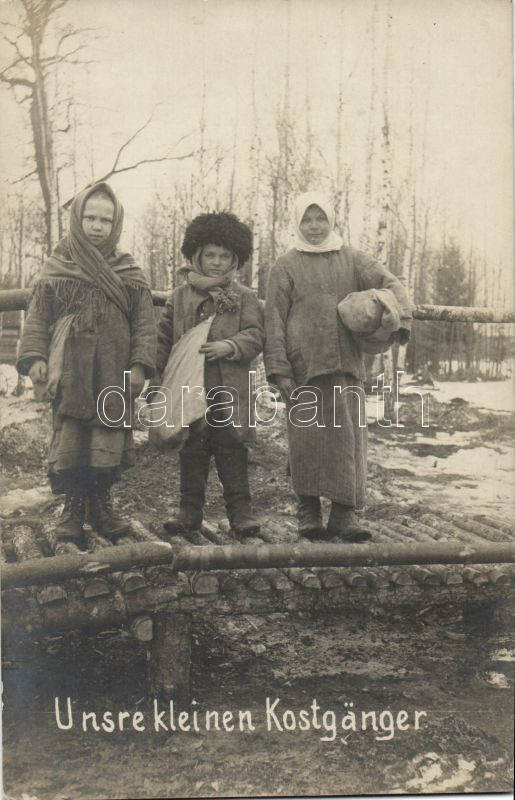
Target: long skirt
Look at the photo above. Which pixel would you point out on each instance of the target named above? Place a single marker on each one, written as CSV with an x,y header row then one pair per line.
x,y
80,450
329,457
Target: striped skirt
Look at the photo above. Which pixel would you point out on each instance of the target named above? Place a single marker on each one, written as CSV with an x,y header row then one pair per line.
x,y
328,458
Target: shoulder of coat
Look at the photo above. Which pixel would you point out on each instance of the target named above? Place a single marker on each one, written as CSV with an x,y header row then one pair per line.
x,y
245,291
179,292
357,256
291,256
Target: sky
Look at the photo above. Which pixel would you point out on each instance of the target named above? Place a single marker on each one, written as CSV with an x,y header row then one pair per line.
x,y
450,75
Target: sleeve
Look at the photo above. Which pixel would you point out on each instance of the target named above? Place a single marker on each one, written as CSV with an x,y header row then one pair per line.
x,y
143,331
165,335
236,352
277,308
36,337
372,275
249,340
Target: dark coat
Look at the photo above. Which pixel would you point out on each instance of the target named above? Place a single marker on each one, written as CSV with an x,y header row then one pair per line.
x,y
103,343
243,326
304,334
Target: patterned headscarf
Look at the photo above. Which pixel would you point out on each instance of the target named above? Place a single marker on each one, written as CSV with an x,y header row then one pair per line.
x,y
76,258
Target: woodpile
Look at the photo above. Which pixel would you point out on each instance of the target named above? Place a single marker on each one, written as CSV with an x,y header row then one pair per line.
x,y
154,588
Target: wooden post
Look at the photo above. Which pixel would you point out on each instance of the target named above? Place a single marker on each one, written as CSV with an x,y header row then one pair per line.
x,y
169,657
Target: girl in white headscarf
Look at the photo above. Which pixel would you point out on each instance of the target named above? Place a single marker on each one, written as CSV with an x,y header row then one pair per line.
x,y
307,346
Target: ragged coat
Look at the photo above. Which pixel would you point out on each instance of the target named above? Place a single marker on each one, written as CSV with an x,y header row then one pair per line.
x,y
102,344
243,326
304,334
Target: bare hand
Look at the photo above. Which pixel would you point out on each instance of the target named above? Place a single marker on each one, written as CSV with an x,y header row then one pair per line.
x,y
38,371
402,335
215,350
137,379
286,386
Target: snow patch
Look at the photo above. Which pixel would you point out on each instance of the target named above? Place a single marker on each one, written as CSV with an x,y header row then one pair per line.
x,y
497,679
25,498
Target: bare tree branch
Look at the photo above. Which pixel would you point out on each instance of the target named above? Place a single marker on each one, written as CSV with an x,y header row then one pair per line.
x,y
16,81
24,177
127,143
147,161
68,33
131,167
21,56
64,57
5,24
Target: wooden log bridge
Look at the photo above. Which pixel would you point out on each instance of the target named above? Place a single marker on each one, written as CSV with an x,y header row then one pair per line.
x,y
36,571
18,300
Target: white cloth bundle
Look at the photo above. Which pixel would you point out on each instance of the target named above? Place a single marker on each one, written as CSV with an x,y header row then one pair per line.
x,y
184,389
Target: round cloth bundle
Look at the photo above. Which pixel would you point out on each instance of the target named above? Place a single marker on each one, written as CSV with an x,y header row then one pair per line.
x,y
373,317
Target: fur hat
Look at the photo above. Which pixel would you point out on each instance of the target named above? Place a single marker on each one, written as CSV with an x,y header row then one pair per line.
x,y
223,229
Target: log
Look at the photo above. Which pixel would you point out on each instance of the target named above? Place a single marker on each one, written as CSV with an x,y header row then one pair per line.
x,y
132,581
492,522
170,656
378,578
216,557
233,584
480,530
21,612
424,576
331,578
498,576
142,534
94,587
210,532
448,576
476,576
463,314
304,578
401,577
56,546
18,299
205,584
24,543
280,581
128,581
259,583
52,593
354,580
142,627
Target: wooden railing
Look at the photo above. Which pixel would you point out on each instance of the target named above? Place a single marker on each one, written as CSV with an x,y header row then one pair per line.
x,y
18,300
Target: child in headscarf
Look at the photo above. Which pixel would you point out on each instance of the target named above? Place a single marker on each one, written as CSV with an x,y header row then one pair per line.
x,y
89,320
216,245
307,344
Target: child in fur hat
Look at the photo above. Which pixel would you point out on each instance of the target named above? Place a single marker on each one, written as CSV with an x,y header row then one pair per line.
x,y
90,320
216,246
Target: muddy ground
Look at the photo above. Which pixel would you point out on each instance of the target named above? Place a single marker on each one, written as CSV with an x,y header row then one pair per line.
x,y
449,657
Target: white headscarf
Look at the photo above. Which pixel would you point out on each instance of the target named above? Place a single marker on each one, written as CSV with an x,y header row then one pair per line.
x,y
303,202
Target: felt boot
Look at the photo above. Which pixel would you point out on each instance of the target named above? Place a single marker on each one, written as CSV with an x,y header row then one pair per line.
x,y
71,521
194,462
232,467
101,514
344,524
309,517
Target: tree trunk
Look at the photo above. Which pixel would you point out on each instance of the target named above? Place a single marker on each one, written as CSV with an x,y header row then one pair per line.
x,y
170,656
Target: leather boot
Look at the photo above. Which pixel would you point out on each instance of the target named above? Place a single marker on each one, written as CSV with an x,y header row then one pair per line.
x,y
101,514
232,468
344,524
194,461
309,517
71,521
